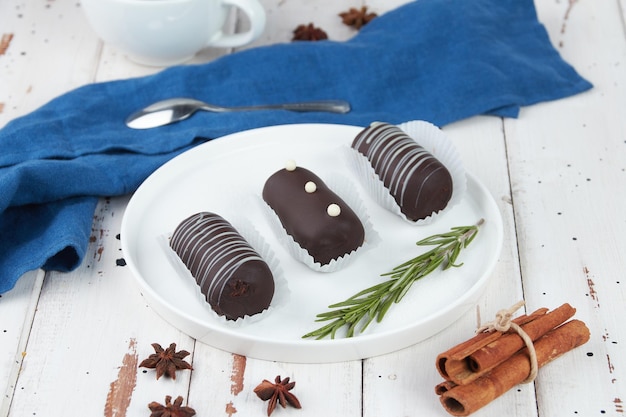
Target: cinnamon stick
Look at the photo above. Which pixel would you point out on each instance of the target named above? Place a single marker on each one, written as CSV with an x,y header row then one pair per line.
x,y
463,350
466,367
444,387
462,400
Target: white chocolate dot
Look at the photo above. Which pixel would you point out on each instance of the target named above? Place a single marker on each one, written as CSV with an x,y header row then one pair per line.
x,y
290,165
333,210
310,187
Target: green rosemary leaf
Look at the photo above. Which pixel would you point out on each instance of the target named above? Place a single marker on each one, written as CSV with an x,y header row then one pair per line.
x,y
382,287
329,315
358,311
367,322
346,303
385,306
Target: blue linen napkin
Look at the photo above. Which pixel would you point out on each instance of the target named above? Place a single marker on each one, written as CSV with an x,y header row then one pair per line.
x,y
435,60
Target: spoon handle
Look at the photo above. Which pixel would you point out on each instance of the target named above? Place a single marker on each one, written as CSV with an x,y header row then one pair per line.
x,y
331,106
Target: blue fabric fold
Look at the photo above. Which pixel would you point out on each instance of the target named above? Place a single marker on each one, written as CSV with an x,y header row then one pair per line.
x,y
434,60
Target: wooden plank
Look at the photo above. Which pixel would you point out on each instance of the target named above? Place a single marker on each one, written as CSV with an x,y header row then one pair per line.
x,y
51,51
568,164
17,310
91,330
224,383
34,36
412,372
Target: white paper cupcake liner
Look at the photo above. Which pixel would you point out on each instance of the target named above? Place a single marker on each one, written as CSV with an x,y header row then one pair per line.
x,y
431,138
254,238
346,190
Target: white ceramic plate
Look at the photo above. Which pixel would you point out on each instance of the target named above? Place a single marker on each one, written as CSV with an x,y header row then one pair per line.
x,y
226,176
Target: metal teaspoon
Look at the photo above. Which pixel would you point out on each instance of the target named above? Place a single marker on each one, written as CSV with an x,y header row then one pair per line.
x,y
174,110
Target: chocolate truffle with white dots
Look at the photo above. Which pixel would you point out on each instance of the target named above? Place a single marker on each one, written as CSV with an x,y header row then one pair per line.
x,y
312,214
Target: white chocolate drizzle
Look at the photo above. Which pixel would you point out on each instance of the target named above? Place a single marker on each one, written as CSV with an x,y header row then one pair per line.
x,y
389,141
205,240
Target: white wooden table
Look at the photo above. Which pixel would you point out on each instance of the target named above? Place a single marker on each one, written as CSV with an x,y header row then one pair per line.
x,y
69,342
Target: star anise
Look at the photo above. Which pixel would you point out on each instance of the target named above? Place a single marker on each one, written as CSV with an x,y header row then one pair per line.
x,y
277,393
308,33
169,409
166,361
357,18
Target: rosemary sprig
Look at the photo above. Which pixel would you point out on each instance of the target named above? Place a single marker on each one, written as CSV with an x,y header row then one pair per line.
x,y
374,302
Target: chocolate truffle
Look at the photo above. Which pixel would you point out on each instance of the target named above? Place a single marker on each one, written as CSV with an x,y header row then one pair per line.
x,y
312,214
234,279
419,183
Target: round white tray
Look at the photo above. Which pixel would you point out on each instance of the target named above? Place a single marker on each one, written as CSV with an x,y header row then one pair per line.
x,y
226,176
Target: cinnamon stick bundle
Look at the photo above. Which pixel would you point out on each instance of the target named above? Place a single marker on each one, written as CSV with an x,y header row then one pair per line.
x,y
469,360
462,400
486,366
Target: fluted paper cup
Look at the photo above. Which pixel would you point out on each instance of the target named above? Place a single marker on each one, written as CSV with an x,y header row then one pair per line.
x,y
435,141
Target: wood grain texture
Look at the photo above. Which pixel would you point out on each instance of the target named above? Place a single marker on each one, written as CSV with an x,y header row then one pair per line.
x,y
17,312
567,163
557,174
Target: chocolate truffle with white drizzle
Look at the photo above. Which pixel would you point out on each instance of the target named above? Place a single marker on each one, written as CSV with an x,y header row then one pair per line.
x,y
235,280
419,183
312,214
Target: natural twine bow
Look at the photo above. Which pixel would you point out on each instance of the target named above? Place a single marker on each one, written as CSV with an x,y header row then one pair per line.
x,y
503,323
